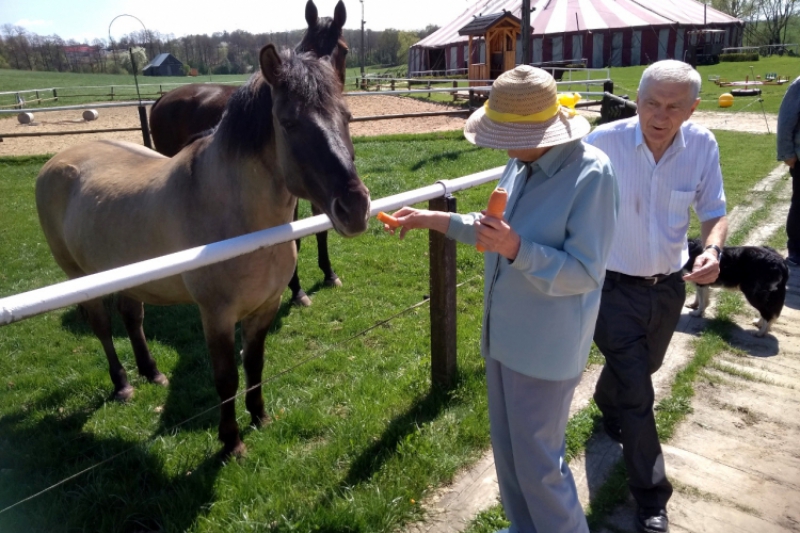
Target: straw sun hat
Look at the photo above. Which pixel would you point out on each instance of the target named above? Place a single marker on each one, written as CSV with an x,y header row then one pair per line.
x,y
525,111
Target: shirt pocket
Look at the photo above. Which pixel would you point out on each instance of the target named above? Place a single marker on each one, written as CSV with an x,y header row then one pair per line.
x,y
679,202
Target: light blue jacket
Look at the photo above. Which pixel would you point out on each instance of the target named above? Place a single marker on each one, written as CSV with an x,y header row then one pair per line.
x,y
540,310
789,123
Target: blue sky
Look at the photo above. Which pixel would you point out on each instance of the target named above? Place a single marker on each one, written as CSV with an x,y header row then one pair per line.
x,y
89,19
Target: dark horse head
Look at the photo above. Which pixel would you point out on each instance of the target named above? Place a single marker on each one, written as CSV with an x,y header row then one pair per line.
x,y
324,36
293,115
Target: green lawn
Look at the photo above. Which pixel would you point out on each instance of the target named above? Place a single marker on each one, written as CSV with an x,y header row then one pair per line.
x,y
626,81
358,437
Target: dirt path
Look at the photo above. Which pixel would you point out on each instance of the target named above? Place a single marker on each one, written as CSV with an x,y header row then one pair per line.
x,y
127,117
63,121
451,508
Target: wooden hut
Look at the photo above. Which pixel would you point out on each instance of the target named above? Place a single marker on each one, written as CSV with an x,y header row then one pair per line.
x,y
164,65
499,33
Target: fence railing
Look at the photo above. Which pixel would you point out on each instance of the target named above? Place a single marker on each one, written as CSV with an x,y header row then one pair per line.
x,y
443,269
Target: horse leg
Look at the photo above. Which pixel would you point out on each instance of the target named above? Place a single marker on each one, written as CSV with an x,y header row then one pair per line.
x,y
254,332
219,333
299,296
132,312
100,323
323,259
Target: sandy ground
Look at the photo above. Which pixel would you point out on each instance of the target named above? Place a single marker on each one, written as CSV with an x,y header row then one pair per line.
x,y
128,117
60,121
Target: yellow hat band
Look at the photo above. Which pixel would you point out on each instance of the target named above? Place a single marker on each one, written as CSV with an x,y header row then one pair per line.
x,y
563,100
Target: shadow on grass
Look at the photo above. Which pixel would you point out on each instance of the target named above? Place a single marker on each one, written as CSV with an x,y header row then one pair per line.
x,y
191,381
450,156
132,493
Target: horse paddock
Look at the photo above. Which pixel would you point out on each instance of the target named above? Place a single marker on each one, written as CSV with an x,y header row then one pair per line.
x,y
127,117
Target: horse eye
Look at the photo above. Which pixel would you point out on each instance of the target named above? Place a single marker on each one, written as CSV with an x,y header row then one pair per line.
x,y
289,124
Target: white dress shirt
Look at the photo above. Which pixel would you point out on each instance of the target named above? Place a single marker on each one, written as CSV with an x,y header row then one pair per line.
x,y
655,197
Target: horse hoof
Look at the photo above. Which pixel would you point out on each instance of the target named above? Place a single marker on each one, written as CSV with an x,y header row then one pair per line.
x,y
260,420
233,452
160,379
124,394
333,282
301,300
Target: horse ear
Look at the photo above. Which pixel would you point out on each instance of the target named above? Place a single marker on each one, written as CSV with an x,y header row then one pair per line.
x,y
339,15
312,16
270,64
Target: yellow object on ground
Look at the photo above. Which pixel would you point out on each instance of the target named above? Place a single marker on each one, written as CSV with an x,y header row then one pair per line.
x,y
725,100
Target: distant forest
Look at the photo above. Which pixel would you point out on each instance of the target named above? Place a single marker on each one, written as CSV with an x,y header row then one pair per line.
x,y
219,53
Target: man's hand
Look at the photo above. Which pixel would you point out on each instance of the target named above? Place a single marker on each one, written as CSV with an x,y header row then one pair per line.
x,y
792,161
705,270
495,235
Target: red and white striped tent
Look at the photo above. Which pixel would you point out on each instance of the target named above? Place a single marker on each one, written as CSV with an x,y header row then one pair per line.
x,y
604,32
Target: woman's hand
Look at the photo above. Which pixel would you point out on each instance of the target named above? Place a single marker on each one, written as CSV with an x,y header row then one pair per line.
x,y
410,218
495,235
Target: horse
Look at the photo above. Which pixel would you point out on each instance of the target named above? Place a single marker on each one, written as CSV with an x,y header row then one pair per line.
x,y
285,135
185,113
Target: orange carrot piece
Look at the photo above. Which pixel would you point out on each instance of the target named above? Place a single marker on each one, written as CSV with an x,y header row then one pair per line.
x,y
496,206
388,219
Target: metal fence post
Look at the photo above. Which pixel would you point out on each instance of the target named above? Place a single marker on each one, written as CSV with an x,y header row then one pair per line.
x,y
442,252
145,127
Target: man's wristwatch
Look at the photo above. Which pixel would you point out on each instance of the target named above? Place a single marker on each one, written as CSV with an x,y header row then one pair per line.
x,y
715,247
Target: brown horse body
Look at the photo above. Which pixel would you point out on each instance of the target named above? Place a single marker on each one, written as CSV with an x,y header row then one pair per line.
x,y
106,204
184,113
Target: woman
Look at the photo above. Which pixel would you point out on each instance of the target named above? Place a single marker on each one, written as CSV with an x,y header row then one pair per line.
x,y
544,269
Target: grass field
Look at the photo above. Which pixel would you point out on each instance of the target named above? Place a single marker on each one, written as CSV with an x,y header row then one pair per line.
x,y
358,437
626,80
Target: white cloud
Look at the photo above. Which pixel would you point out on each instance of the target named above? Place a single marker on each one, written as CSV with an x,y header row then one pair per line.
x,y
36,23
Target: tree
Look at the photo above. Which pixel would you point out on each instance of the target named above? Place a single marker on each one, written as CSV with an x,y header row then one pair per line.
x,y
139,56
407,40
389,47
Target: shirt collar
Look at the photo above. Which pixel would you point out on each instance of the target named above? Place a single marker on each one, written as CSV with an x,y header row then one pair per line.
x,y
679,142
551,162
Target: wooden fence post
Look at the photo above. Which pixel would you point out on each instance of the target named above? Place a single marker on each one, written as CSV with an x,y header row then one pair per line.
x,y
112,93
55,96
442,252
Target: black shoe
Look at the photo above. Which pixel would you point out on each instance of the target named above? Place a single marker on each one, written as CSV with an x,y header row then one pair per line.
x,y
612,429
652,520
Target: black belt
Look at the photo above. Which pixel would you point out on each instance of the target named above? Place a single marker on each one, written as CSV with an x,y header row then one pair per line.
x,y
640,280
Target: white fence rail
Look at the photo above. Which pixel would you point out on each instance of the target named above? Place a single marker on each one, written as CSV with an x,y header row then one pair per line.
x,y
25,305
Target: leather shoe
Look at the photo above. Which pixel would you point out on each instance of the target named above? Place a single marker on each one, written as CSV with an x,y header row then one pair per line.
x,y
612,429
652,520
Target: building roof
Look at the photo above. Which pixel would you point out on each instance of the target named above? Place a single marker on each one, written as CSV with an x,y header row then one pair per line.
x,y
159,59
560,16
480,25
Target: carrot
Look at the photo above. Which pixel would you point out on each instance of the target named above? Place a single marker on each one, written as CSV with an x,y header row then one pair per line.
x,y
496,206
388,219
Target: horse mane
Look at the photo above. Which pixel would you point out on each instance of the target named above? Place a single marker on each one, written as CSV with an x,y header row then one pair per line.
x,y
247,124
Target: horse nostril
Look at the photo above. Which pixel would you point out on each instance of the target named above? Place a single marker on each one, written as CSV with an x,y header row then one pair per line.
x,y
352,213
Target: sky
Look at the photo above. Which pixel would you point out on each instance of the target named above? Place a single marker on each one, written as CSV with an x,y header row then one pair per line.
x,y
89,19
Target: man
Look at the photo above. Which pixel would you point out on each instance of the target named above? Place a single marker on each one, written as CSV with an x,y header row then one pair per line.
x,y
664,165
788,149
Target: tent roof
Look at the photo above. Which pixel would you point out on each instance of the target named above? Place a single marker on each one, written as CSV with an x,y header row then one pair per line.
x,y
480,25
560,16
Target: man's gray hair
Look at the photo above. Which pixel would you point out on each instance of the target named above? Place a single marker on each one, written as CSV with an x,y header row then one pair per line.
x,y
671,71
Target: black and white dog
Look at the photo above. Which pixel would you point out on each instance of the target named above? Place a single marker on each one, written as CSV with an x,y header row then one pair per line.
x,y
758,271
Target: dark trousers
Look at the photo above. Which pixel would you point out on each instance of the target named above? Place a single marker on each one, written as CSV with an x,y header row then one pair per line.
x,y
633,332
793,220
